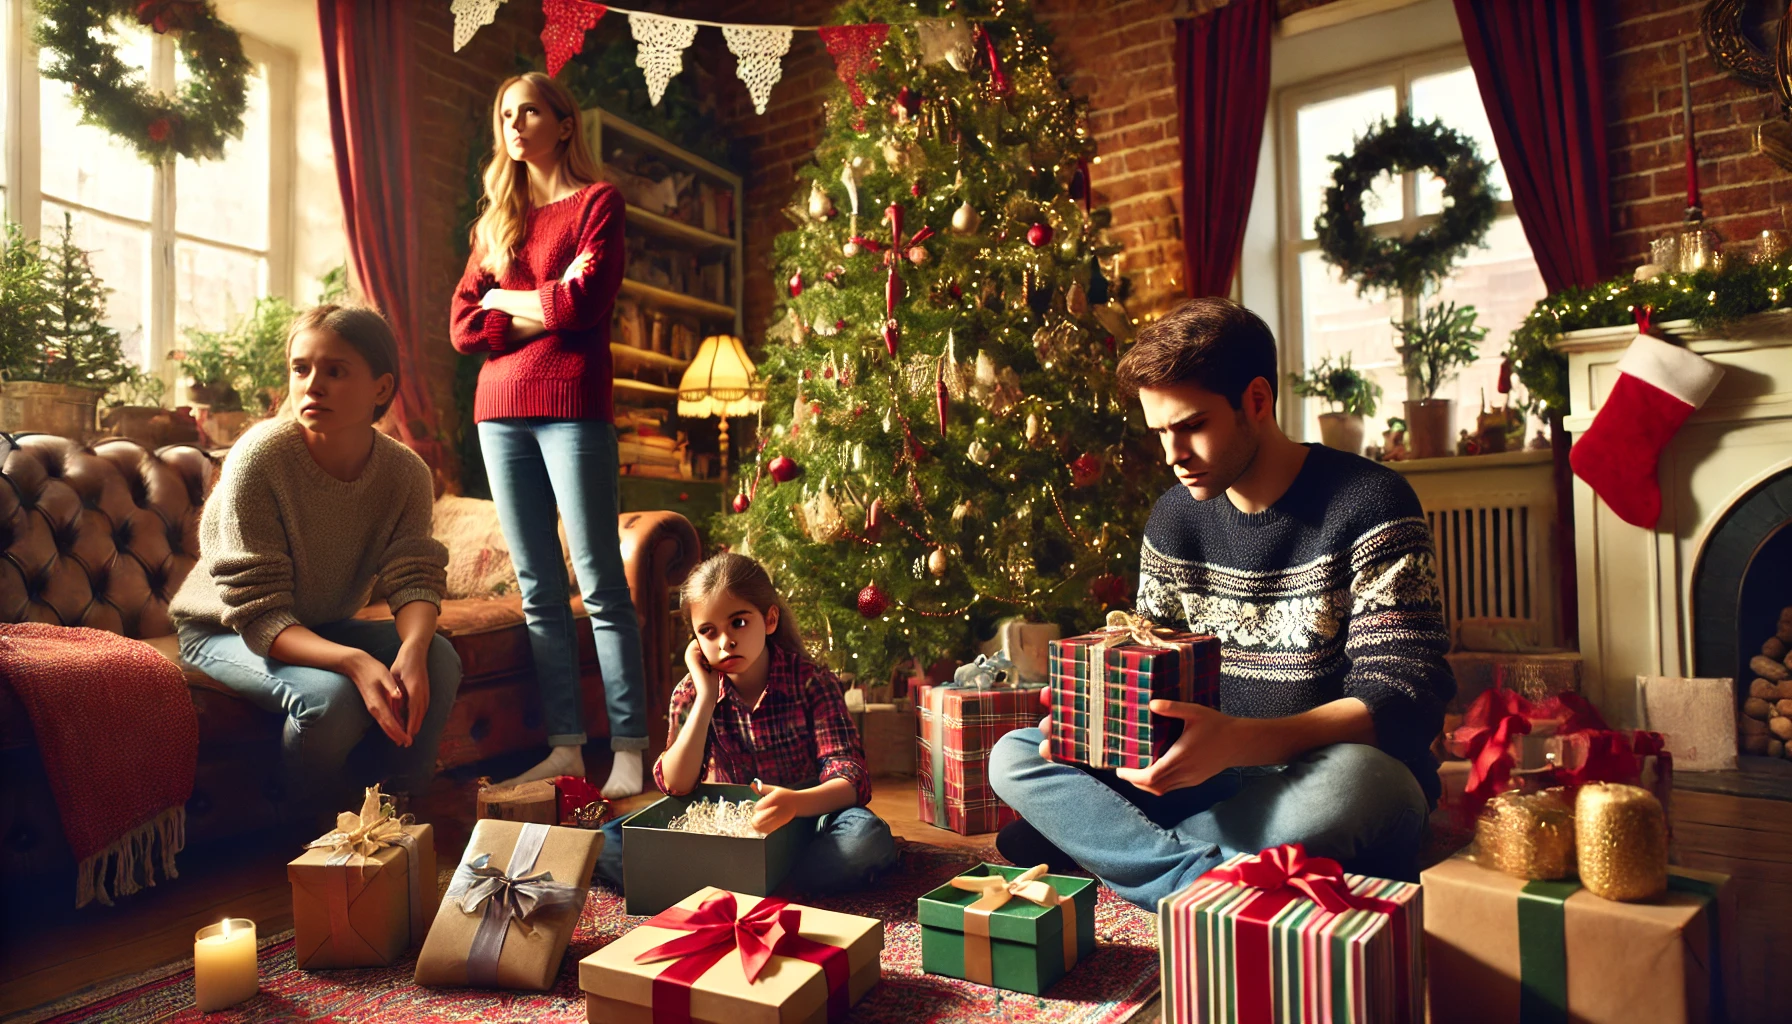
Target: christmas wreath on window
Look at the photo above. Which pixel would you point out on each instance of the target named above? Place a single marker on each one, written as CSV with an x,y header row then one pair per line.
x,y
195,122
1406,266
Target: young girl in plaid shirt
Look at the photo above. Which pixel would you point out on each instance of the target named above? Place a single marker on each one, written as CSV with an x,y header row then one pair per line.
x,y
754,710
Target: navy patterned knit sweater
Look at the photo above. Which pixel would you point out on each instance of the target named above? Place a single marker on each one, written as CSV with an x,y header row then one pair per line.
x,y
1328,593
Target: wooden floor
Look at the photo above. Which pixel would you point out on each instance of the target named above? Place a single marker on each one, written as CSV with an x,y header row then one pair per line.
x,y
49,950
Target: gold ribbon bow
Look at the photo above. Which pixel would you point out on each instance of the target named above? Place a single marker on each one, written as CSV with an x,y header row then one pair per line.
x,y
1125,627
996,892
363,834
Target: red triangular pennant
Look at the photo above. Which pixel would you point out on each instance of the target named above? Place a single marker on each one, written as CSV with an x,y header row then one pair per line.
x,y
564,34
854,49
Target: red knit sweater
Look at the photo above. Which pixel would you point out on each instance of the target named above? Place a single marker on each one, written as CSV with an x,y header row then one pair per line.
x,y
564,373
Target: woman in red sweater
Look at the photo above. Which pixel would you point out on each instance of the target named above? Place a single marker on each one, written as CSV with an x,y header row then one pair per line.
x,y
536,298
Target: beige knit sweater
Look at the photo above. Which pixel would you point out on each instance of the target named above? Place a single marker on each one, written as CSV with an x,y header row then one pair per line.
x,y
281,542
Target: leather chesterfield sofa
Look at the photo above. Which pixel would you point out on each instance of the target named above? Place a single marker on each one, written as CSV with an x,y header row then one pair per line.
x,y
102,536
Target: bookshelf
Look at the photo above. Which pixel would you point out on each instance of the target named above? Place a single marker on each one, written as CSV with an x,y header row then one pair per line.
x,y
682,282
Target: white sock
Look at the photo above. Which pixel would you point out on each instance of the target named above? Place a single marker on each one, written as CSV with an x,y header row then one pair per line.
x,y
566,760
625,775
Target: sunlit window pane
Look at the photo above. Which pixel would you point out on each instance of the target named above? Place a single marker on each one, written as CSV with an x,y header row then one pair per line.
x,y
213,286
1502,283
1331,127
83,164
1335,322
120,255
226,200
1453,98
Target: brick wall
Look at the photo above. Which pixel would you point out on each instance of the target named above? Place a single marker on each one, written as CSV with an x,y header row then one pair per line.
x,y
1742,191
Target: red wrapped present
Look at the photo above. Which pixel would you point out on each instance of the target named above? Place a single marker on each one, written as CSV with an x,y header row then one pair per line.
x,y
1102,685
959,725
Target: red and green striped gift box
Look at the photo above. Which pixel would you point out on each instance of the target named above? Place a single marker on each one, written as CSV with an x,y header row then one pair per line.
x,y
1102,685
1232,953
958,726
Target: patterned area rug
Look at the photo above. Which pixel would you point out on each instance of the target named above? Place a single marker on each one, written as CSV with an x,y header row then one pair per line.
x,y
1105,989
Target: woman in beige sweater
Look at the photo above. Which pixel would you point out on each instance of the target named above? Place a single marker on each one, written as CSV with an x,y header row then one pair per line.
x,y
308,512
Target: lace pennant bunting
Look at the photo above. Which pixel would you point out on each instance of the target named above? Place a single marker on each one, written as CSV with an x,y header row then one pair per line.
x,y
564,34
759,53
854,49
662,43
470,16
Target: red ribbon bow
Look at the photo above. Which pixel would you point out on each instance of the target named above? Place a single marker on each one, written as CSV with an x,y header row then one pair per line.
x,y
717,928
1320,879
1645,319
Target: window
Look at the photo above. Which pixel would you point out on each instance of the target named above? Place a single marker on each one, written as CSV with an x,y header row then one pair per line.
x,y
181,245
1324,314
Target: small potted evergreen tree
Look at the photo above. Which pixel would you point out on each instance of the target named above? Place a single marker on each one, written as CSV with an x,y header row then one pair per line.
x,y
1434,347
1351,395
56,353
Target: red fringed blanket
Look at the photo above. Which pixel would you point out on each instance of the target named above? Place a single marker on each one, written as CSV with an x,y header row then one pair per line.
x,y
120,742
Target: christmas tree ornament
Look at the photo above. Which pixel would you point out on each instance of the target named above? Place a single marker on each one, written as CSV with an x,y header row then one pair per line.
x,y
874,519
977,452
873,601
965,219
892,334
822,517
826,328
858,450
1659,385
960,512
759,57
937,563
783,469
917,255
850,249
999,85
888,420
897,157
939,393
1076,300
1109,589
795,284
945,39
854,49
741,503
1039,234
661,43
799,414
820,206
1033,428
1085,470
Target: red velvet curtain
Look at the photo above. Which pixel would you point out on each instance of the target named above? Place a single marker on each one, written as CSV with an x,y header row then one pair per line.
x,y
1538,66
368,62
1222,95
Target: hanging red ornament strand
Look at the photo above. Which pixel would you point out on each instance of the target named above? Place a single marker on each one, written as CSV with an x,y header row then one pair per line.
x,y
893,288
939,391
998,79
854,49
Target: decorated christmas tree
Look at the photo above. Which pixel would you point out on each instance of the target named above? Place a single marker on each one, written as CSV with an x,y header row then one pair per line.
x,y
943,444
76,347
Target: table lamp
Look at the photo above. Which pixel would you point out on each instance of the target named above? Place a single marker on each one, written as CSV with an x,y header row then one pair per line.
x,y
721,382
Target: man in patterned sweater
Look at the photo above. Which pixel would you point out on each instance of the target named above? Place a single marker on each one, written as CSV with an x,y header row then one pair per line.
x,y
1314,568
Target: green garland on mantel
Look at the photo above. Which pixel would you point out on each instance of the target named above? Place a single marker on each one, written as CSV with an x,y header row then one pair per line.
x,y
1710,299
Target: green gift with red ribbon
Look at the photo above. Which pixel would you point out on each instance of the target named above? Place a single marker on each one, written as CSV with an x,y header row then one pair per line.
x,y
1283,938
1506,950
726,957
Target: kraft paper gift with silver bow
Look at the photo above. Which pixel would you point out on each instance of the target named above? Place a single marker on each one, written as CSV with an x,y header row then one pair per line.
x,y
509,912
364,892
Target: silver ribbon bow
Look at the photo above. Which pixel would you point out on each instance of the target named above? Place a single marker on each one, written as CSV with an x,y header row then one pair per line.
x,y
987,672
505,896
517,898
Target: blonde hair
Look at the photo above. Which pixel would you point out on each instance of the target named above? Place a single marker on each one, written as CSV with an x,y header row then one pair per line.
x,y
498,233
747,580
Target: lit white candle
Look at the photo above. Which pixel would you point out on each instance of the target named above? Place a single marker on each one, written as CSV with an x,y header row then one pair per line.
x,y
224,964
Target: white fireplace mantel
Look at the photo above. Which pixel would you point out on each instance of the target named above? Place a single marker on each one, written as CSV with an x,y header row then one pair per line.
x,y
1635,617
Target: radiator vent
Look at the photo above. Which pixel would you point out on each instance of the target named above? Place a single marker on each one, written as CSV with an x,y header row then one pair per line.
x,y
1492,561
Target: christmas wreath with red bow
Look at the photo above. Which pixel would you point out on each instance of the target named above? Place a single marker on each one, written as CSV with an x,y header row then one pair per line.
x,y
194,123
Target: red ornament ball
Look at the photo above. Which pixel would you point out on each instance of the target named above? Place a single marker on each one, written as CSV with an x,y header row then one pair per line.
x,y
1039,234
840,325
796,284
160,128
1109,589
917,254
783,469
1085,470
873,601
915,190
741,503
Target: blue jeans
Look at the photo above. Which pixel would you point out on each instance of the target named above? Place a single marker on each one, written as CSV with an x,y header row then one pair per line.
x,y
537,468
850,849
1350,802
330,744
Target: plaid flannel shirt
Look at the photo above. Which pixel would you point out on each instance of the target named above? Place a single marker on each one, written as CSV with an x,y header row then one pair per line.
x,y
800,734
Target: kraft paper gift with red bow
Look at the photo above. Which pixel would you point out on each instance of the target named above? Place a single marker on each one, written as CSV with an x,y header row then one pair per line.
x,y
1102,685
363,893
509,911
1280,936
730,958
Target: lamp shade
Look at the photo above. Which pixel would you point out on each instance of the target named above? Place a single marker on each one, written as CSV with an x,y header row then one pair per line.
x,y
720,381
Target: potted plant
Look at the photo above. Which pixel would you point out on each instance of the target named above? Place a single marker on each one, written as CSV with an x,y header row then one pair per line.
x,y
56,353
1434,346
1351,395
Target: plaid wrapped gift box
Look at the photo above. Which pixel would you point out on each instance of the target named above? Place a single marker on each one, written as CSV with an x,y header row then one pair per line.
x,y
1283,938
1102,685
959,725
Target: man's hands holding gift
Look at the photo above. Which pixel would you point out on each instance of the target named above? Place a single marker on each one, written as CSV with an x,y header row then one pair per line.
x,y
1210,743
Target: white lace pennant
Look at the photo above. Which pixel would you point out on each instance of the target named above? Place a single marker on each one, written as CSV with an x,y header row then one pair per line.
x,y
759,53
470,16
662,43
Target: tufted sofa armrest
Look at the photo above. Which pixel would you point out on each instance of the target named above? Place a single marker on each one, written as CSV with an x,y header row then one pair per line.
x,y
659,550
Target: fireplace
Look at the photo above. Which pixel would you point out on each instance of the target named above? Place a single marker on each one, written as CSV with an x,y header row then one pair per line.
x,y
1699,593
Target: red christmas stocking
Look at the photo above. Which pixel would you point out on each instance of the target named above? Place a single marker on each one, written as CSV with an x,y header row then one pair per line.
x,y
1660,385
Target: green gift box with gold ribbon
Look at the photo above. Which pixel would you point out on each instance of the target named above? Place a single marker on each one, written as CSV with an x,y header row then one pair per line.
x,y
1011,928
1503,949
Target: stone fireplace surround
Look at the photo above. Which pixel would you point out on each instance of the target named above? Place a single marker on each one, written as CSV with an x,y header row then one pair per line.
x,y
1665,601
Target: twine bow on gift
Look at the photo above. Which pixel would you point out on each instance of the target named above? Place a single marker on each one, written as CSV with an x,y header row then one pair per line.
x,y
717,928
1125,627
364,834
996,891
988,672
